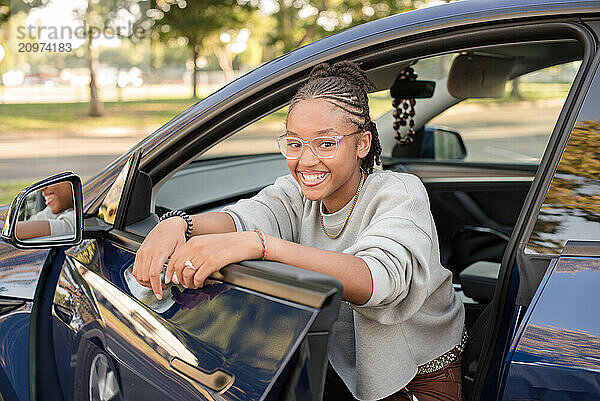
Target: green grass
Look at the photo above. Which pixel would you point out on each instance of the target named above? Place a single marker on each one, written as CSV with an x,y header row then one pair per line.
x,y
8,190
71,117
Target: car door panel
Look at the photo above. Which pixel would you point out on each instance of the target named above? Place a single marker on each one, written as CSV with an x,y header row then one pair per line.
x,y
555,354
14,348
20,270
206,182
249,335
464,198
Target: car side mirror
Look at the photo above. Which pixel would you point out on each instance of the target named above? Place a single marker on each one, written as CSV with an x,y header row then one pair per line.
x,y
46,214
442,144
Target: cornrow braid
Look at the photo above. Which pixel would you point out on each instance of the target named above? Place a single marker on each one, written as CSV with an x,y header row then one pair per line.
x,y
345,85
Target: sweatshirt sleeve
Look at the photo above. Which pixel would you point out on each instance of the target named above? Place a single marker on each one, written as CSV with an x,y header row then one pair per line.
x,y
276,210
63,223
398,248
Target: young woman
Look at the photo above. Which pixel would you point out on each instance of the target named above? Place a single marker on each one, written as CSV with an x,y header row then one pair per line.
x,y
400,330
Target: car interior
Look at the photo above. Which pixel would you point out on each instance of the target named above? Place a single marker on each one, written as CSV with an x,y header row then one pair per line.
x,y
475,201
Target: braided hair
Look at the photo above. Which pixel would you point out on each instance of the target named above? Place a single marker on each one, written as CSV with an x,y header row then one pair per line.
x,y
344,84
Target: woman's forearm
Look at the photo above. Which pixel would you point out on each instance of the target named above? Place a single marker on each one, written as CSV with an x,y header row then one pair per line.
x,y
32,229
352,271
212,223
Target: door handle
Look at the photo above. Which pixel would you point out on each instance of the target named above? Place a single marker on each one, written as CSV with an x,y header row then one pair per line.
x,y
218,380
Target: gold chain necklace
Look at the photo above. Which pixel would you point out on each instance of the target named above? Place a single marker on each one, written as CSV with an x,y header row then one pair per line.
x,y
362,180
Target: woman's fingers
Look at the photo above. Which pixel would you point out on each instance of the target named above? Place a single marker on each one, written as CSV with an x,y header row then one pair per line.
x,y
189,270
154,272
140,265
173,274
200,277
161,243
170,273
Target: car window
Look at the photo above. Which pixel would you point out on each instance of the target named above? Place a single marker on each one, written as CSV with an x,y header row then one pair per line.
x,y
516,127
571,208
257,138
110,205
238,166
512,128
260,137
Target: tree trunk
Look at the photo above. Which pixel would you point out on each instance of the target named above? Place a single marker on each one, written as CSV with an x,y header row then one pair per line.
x,y
225,62
310,29
96,106
515,92
195,72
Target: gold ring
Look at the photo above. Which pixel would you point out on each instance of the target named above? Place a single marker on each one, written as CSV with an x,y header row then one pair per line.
x,y
189,265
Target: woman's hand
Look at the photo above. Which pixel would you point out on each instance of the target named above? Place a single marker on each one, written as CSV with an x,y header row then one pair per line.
x,y
164,239
209,253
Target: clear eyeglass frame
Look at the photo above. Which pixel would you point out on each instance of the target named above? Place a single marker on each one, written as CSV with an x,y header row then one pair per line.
x,y
282,142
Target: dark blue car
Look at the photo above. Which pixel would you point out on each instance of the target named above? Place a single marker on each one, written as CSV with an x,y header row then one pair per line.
x,y
514,187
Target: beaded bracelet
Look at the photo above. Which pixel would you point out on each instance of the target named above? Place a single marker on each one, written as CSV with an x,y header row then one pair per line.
x,y
263,242
183,215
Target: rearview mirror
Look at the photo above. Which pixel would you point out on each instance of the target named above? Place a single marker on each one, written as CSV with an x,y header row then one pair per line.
x,y
46,214
411,89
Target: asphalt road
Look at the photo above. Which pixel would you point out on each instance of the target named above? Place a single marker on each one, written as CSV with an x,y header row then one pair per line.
x,y
36,168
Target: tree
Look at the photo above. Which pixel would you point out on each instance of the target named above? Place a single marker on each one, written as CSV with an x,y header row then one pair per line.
x,y
515,92
299,22
111,18
10,7
205,25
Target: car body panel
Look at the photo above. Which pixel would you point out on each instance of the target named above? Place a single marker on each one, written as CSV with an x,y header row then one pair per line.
x,y
556,354
19,271
14,349
218,327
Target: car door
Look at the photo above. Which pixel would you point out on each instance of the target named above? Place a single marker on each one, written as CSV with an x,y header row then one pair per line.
x,y
554,354
256,331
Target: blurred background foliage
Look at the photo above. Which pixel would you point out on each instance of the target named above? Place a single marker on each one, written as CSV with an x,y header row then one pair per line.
x,y
164,35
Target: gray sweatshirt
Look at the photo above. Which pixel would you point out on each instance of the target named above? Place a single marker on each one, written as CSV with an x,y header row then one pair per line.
x,y
60,223
413,315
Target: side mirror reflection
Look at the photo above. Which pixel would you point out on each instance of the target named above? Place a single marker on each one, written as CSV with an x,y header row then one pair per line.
x,y
442,144
448,145
47,212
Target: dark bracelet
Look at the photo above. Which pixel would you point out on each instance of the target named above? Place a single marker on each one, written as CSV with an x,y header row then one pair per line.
x,y
183,215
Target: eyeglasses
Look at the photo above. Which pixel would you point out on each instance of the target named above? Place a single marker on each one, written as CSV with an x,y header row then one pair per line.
x,y
324,147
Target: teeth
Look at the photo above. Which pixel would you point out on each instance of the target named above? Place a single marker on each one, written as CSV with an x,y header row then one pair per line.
x,y
313,177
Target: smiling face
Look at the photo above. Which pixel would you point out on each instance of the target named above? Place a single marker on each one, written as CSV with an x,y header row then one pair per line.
x,y
334,180
58,197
